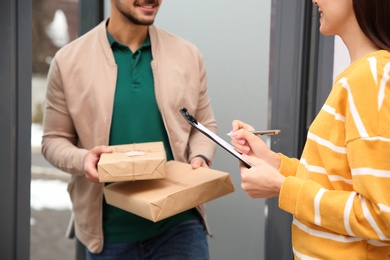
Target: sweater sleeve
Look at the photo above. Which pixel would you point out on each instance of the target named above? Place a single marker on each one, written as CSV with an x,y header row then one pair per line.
x,y
362,213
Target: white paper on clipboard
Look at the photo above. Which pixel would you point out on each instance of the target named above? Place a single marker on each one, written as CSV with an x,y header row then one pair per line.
x,y
228,147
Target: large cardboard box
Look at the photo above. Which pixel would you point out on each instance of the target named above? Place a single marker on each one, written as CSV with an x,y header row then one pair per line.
x,y
182,189
141,161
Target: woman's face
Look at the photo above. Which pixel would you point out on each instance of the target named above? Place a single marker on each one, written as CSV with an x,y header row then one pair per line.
x,y
335,16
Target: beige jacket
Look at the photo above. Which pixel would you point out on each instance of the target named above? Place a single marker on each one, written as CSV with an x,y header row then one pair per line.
x,y
80,96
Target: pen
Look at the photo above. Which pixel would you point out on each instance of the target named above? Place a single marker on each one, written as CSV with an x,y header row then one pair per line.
x,y
264,132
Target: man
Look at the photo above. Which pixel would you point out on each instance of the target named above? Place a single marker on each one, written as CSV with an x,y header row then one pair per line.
x,y
124,82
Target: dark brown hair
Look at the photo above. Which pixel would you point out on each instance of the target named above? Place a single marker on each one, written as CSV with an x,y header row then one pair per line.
x,y
373,17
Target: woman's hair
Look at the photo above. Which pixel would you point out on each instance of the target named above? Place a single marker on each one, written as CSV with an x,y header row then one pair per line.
x,y
373,17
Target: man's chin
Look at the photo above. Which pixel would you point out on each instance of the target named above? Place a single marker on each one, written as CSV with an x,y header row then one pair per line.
x,y
144,22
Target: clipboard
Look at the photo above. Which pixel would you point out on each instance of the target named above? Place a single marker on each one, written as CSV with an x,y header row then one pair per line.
x,y
218,140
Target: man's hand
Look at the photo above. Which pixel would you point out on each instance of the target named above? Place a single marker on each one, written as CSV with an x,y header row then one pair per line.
x,y
90,162
197,162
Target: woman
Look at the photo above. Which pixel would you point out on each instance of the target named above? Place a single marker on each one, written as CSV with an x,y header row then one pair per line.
x,y
339,190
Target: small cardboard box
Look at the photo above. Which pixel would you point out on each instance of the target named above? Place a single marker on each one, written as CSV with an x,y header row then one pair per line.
x,y
141,161
182,189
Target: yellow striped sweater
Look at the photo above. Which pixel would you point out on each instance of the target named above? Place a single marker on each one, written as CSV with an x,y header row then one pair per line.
x,y
340,195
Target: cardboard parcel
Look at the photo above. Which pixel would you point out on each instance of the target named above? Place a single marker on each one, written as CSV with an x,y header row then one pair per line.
x,y
140,161
182,189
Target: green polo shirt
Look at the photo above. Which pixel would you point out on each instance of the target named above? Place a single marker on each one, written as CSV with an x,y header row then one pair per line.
x,y
136,119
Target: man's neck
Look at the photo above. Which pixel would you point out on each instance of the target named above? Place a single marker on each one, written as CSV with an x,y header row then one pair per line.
x,y
126,33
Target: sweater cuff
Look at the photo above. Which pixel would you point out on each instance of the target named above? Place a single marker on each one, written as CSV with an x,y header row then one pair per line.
x,y
288,195
288,166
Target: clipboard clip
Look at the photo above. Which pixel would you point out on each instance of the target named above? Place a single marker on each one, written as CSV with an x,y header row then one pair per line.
x,y
190,119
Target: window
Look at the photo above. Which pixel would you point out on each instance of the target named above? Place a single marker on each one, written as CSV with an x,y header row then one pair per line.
x,y
54,24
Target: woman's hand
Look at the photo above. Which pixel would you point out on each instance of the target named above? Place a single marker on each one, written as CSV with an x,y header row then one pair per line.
x,y
238,139
261,180
247,143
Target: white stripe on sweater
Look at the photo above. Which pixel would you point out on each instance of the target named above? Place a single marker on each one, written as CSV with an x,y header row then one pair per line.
x,y
302,256
372,61
370,172
339,178
317,202
376,138
356,117
347,212
322,170
377,243
332,111
382,88
384,208
326,235
371,220
312,168
326,143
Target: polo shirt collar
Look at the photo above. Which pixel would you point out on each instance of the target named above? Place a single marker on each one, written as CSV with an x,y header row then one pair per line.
x,y
115,44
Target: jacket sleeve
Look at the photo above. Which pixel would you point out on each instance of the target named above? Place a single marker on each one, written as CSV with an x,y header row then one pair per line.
x,y
198,142
59,141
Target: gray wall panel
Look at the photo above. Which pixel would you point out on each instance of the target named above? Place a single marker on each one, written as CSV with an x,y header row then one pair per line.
x,y
15,128
300,79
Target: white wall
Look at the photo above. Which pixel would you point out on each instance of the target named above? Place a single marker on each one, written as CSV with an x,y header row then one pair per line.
x,y
341,57
234,39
